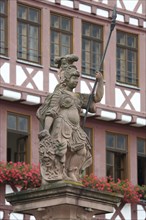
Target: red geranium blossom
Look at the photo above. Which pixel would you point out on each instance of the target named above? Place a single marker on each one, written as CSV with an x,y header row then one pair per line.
x,y
27,176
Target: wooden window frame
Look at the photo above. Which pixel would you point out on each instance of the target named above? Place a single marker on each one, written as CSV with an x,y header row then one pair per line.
x,y
60,31
123,62
141,163
144,142
17,116
5,17
119,158
21,135
93,67
89,132
29,23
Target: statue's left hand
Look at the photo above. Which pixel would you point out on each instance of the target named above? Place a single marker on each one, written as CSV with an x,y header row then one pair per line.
x,y
98,75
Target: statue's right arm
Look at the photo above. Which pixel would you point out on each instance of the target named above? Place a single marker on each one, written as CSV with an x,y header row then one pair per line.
x,y
48,122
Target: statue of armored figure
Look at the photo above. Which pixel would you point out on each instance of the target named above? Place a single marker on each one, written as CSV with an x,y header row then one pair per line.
x,y
64,149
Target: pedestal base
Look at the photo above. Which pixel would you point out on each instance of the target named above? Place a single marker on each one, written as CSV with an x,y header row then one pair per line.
x,y
63,201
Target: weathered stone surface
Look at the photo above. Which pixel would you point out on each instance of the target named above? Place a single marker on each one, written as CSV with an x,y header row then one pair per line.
x,y
64,146
62,200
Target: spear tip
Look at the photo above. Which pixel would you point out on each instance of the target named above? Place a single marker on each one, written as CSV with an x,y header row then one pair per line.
x,y
114,16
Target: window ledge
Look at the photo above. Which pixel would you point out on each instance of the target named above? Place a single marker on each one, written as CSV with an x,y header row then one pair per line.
x,y
29,63
88,77
4,57
54,68
128,86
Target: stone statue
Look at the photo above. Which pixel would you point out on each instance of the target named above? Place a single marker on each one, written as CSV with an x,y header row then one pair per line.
x,y
64,146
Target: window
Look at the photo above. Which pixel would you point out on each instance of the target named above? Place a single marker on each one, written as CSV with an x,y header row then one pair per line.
x,y
92,46
141,153
89,132
61,36
3,27
116,151
127,52
18,138
28,33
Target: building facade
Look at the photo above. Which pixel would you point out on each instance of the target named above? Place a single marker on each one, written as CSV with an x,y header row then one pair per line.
x,y
32,34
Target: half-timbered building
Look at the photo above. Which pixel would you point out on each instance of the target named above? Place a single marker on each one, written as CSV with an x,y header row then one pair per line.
x,y
32,34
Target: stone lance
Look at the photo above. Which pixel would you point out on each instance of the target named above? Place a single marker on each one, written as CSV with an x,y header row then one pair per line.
x,y
112,26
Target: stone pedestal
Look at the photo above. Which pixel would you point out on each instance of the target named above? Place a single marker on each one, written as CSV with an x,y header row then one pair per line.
x,y
63,201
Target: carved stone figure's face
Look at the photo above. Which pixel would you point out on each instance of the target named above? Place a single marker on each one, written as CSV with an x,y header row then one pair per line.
x,y
64,63
73,81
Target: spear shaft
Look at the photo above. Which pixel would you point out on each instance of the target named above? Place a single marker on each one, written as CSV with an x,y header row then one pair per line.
x,y
113,23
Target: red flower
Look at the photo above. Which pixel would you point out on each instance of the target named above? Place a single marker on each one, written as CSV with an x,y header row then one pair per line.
x,y
131,193
28,176
20,174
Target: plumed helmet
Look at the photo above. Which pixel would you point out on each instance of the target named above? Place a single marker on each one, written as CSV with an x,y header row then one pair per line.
x,y
66,66
66,60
